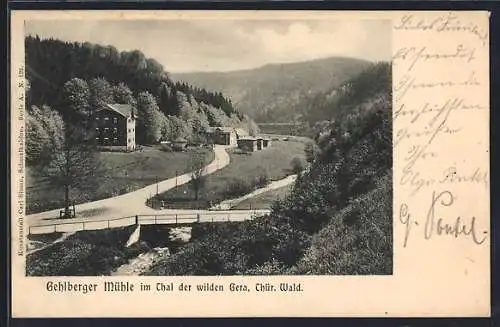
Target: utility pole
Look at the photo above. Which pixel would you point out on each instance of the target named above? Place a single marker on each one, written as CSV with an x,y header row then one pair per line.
x,y
176,178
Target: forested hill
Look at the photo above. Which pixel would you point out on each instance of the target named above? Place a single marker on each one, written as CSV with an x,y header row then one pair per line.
x,y
336,220
272,92
60,73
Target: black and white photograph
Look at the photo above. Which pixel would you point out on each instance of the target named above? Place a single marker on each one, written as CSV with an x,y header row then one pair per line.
x,y
208,147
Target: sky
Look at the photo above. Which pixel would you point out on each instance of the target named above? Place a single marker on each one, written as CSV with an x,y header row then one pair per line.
x,y
226,45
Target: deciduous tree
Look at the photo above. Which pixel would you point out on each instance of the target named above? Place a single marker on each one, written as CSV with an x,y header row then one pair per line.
x,y
149,117
196,166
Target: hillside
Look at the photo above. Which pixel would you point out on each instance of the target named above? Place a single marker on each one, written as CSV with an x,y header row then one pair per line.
x,y
273,92
336,220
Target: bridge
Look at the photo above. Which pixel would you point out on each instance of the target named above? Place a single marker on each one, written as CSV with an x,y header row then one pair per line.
x,y
174,219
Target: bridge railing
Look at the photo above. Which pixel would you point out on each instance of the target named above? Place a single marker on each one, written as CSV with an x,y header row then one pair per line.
x,y
163,219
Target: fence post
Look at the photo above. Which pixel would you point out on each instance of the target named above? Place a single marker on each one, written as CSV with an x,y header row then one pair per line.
x,y
176,219
136,219
155,221
83,225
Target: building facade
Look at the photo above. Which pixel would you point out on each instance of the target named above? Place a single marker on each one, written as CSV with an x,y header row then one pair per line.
x,y
115,126
222,135
247,144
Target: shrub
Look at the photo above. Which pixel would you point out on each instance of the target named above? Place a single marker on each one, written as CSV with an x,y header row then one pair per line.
x,y
237,187
311,150
86,253
297,165
357,241
262,178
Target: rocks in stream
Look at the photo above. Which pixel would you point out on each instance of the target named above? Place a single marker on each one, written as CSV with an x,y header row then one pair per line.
x,y
180,234
140,264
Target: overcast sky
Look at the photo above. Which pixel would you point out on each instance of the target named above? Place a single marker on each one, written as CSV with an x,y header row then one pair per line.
x,y
223,45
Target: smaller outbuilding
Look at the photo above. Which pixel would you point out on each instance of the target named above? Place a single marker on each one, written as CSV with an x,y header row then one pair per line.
x,y
266,142
247,144
179,144
259,143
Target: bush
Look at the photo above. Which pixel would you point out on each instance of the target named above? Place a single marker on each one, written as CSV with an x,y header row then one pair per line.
x,y
262,178
356,241
311,150
297,165
266,244
86,253
238,187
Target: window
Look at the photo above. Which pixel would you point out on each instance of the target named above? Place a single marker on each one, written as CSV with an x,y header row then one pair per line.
x,y
96,118
97,129
106,129
115,120
106,138
115,140
115,130
97,138
129,141
106,118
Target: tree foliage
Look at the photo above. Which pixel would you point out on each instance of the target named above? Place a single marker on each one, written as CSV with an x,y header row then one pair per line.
x,y
76,97
150,119
196,166
101,93
92,75
74,163
44,135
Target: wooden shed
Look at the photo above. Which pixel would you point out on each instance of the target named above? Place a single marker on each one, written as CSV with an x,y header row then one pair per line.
x,y
248,144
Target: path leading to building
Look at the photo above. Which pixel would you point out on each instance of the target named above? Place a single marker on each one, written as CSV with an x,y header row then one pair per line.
x,y
129,204
228,204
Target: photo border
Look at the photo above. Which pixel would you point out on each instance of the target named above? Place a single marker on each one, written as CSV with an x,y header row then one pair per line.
x,y
495,98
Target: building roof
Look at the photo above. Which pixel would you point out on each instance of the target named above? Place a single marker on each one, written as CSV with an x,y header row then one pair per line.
x,y
179,140
123,109
214,129
247,138
241,132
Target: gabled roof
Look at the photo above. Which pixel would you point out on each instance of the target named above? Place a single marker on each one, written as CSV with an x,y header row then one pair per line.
x,y
123,109
220,129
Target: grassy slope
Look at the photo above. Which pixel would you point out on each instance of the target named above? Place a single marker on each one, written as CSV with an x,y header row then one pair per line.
x,y
275,160
357,240
122,172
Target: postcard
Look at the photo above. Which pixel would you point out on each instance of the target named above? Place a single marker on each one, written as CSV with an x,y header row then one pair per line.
x,y
250,163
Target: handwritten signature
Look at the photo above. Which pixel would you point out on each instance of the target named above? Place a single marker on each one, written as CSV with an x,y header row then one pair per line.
x,y
438,225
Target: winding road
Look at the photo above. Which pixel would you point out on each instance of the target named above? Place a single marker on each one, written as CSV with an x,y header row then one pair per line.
x,y
129,204
106,213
